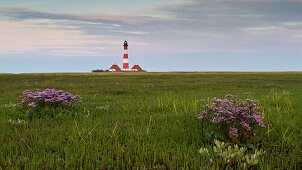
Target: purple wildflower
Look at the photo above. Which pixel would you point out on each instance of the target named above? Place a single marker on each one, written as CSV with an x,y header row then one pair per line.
x,y
228,95
245,126
202,115
231,112
49,96
234,132
32,104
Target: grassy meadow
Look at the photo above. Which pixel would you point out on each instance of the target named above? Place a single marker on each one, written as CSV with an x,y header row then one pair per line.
x,y
144,120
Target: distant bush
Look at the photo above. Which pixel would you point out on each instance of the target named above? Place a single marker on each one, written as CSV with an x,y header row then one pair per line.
x,y
234,119
48,102
97,70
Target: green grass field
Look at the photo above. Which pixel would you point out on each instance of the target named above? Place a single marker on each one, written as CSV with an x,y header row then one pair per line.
x,y
144,120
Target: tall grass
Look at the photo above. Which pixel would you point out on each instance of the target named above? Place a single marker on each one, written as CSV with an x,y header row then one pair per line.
x,y
144,120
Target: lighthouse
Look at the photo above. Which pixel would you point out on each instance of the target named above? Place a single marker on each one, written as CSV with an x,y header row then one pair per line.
x,y
135,68
125,63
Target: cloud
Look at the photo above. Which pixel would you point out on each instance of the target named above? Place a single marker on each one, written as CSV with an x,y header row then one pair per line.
x,y
106,23
26,31
187,26
27,37
234,17
231,11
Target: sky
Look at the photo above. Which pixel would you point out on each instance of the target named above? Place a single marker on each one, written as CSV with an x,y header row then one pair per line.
x,y
163,35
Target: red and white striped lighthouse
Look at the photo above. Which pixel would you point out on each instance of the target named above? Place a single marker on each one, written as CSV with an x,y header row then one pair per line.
x,y
125,64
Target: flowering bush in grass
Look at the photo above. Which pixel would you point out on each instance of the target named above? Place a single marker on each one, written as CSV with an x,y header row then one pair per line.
x,y
237,119
49,97
48,102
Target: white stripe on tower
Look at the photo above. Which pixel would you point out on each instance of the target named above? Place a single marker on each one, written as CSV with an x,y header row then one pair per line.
x,y
126,64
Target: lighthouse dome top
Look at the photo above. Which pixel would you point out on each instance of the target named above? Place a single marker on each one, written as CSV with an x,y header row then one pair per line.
x,y
125,43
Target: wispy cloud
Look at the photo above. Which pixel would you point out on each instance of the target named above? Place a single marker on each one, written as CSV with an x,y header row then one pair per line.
x,y
196,25
27,37
110,23
27,31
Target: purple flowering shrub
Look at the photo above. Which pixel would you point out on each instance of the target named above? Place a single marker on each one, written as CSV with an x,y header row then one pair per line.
x,y
238,120
49,103
49,97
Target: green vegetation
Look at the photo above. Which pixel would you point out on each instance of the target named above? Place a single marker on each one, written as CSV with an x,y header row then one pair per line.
x,y
228,157
144,120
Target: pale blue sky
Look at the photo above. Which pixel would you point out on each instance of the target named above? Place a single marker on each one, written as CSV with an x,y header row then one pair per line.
x,y
163,35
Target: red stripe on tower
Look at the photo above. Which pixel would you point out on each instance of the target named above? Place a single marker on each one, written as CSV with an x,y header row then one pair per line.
x,y
126,64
